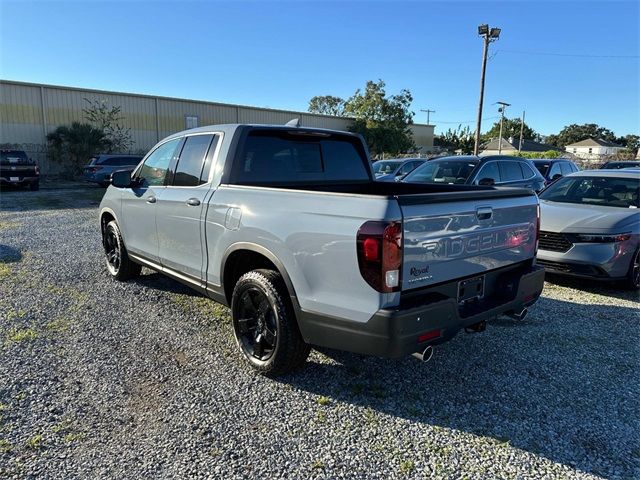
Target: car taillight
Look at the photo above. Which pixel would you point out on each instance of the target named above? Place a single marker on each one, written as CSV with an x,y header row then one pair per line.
x,y
379,248
37,170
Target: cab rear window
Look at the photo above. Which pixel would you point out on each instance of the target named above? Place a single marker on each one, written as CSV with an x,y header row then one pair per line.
x,y
284,157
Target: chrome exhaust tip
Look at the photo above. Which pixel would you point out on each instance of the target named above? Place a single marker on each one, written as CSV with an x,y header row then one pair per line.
x,y
520,315
426,355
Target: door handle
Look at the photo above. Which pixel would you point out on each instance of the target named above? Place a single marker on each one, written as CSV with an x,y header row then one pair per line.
x,y
193,202
151,199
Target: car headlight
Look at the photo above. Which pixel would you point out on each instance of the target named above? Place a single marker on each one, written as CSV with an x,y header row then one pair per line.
x,y
599,238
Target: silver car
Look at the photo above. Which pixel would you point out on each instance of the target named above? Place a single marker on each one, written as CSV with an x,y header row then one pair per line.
x,y
590,226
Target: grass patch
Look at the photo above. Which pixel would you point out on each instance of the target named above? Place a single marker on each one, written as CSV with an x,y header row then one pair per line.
x,y
73,437
321,417
18,335
370,416
406,467
324,401
5,446
3,407
16,314
58,325
317,465
34,442
5,271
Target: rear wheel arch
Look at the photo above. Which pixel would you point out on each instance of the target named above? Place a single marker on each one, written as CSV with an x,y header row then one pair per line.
x,y
241,258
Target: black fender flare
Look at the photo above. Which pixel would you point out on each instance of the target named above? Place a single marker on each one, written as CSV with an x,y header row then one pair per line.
x,y
254,247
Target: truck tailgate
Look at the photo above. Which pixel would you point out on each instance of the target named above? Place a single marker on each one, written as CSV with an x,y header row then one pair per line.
x,y
451,236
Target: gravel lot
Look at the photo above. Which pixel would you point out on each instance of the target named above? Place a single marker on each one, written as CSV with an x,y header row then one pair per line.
x,y
142,380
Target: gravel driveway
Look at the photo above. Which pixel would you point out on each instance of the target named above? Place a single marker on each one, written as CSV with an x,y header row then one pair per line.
x,y
100,379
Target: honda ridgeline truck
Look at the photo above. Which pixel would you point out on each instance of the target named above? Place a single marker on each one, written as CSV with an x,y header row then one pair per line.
x,y
287,226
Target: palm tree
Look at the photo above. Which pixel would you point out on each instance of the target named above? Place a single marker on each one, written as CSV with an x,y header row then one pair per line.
x,y
76,143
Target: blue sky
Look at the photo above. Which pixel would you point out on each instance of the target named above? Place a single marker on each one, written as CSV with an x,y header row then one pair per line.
x,y
280,54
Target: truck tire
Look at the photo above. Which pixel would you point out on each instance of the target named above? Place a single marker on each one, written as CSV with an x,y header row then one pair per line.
x,y
119,265
265,325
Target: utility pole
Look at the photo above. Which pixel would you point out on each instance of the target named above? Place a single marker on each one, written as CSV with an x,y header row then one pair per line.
x,y
428,112
503,107
488,35
521,132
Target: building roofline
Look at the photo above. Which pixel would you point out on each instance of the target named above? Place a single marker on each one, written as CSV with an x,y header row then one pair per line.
x,y
178,99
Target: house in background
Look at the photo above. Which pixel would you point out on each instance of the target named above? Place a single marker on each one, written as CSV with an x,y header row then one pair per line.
x,y
593,148
510,147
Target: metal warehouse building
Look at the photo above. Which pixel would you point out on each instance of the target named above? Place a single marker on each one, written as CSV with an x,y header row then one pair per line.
x,y
28,111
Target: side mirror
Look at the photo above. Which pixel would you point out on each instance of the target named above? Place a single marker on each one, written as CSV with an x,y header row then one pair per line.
x,y
122,179
556,176
487,182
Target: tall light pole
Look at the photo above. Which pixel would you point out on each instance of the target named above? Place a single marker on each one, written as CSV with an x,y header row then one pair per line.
x,y
428,112
503,107
489,35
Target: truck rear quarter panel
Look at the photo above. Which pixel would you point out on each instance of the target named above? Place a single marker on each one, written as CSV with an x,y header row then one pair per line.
x,y
313,234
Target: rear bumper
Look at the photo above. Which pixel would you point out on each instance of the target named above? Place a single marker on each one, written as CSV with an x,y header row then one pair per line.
x,y
19,180
395,332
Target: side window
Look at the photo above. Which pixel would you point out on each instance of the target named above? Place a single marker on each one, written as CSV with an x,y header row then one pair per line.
x,y
566,168
208,163
527,171
154,169
555,170
510,171
489,170
406,168
191,161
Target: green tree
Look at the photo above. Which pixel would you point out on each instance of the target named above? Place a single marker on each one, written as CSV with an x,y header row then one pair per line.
x,y
108,119
462,138
631,142
382,120
510,128
327,105
73,145
574,133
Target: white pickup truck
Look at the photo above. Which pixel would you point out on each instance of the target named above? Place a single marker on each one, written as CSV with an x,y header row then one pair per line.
x,y
287,226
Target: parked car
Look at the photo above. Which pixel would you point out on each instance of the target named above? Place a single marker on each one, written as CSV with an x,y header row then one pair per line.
x,y
498,170
591,226
17,169
393,170
101,167
288,227
620,164
553,169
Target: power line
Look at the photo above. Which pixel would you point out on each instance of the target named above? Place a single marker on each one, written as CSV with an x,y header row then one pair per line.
x,y
471,121
581,55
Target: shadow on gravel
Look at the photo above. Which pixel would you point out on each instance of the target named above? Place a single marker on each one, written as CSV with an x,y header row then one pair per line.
x,y
563,384
158,281
9,254
615,290
55,199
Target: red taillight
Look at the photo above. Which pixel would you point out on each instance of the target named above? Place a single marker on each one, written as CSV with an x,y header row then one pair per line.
x,y
371,249
379,248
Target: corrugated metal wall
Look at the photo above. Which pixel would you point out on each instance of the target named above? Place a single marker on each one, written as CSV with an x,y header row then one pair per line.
x,y
23,121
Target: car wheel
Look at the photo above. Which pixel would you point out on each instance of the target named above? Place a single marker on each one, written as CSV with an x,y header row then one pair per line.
x,y
119,265
265,325
34,186
633,279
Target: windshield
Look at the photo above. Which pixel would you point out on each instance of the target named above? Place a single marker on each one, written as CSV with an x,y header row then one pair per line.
x,y
607,191
384,168
13,156
542,167
442,171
